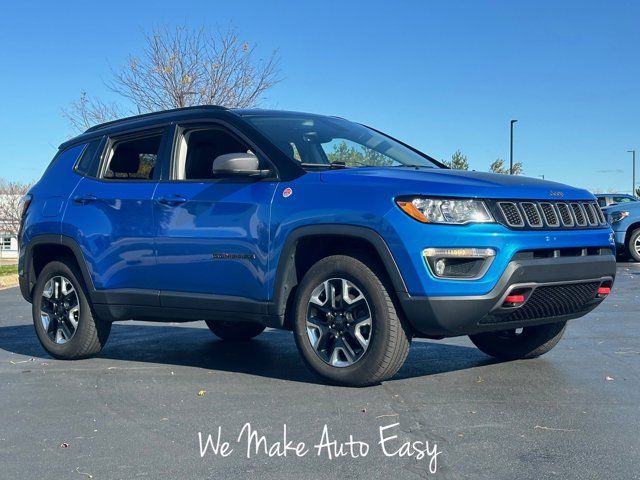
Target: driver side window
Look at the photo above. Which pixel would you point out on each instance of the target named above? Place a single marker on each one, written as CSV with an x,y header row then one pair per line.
x,y
200,147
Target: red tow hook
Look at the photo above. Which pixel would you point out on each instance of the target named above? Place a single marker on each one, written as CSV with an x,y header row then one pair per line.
x,y
513,300
603,291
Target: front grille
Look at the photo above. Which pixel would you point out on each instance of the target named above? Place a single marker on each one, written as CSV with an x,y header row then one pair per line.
x,y
591,217
550,301
511,214
578,214
531,214
548,215
565,215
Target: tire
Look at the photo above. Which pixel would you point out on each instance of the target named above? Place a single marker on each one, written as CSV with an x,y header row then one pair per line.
x,y
235,331
351,350
90,333
530,343
633,245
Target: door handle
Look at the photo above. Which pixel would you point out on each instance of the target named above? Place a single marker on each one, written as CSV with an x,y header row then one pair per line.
x,y
172,201
85,198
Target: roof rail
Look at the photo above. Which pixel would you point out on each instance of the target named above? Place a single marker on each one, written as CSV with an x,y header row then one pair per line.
x,y
152,114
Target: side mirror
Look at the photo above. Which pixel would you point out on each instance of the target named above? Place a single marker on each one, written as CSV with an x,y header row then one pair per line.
x,y
238,165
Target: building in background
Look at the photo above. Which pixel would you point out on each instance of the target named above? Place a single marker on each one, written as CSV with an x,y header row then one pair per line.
x,y
8,229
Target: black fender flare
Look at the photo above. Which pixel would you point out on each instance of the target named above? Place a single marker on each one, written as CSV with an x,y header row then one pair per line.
x,y
286,277
27,273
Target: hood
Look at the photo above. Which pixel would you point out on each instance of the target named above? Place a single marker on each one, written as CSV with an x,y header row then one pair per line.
x,y
454,183
626,206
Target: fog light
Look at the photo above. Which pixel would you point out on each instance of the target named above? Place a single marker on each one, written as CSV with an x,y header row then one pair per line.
x,y
459,252
459,263
440,266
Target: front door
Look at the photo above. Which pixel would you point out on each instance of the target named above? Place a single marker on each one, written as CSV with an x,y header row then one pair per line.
x,y
212,233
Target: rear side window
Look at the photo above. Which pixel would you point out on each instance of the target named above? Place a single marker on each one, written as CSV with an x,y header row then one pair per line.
x,y
88,163
132,158
622,199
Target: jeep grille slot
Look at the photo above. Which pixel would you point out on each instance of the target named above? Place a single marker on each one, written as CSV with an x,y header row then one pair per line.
x,y
603,221
565,215
578,214
511,214
549,213
592,216
531,214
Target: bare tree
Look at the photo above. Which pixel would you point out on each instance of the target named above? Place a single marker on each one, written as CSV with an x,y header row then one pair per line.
x,y
180,68
86,112
11,194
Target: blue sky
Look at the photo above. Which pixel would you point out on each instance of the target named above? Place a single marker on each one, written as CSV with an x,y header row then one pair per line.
x,y
439,75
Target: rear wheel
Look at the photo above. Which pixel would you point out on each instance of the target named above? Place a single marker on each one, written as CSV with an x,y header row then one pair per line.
x,y
633,245
235,331
528,342
346,325
62,316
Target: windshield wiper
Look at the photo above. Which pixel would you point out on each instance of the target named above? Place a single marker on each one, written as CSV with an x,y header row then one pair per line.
x,y
332,166
408,165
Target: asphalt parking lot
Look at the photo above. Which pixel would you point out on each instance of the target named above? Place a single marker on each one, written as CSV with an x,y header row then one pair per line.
x,y
135,411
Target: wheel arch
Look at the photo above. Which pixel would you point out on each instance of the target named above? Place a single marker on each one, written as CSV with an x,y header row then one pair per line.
x,y
630,229
627,238
308,244
43,249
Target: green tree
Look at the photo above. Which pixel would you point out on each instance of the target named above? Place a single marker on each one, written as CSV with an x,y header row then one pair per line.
x,y
343,153
458,161
374,158
499,167
357,156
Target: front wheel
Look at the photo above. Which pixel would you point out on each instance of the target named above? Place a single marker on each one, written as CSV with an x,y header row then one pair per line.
x,y
527,342
346,325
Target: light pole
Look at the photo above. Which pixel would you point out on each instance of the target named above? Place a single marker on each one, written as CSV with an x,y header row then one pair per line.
x,y
511,147
633,175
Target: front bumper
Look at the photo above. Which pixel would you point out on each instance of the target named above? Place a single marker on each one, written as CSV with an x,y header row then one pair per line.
x,y
562,278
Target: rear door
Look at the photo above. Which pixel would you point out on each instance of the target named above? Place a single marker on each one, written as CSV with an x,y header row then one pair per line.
x,y
110,215
212,233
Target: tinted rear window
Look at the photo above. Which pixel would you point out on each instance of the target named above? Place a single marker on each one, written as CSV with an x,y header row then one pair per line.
x,y
88,164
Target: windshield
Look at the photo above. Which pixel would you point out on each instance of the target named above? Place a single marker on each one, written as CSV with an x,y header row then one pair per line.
x,y
317,141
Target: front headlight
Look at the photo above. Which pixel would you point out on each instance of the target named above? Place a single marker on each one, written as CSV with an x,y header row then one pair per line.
x,y
617,216
445,210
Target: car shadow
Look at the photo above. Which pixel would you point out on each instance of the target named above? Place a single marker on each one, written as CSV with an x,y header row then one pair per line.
x,y
273,354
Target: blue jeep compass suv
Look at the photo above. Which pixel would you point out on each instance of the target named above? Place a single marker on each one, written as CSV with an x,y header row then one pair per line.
x,y
353,240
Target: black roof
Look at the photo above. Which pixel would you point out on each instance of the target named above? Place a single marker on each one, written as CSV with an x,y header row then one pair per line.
x,y
194,112
144,120
176,114
152,115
